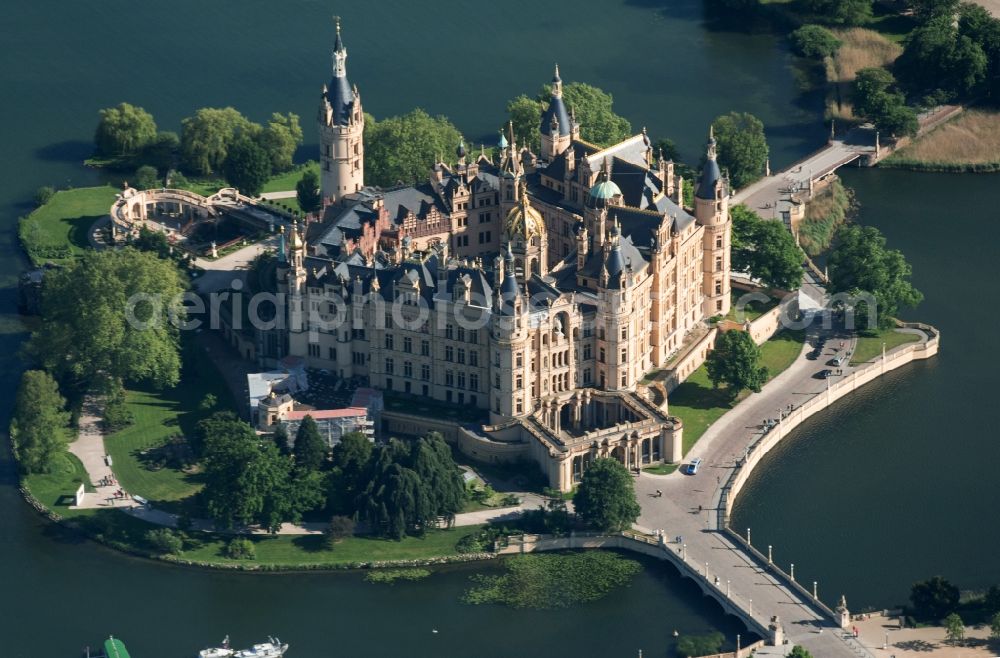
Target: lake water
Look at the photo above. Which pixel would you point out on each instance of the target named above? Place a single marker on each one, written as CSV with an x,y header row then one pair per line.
x,y
892,485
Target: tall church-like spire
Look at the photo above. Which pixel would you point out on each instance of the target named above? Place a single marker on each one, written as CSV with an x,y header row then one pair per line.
x,y
341,130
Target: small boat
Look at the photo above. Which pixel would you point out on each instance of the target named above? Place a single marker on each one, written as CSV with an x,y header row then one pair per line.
x,y
273,648
113,648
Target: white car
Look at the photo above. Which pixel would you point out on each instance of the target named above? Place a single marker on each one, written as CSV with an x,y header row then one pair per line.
x,y
692,468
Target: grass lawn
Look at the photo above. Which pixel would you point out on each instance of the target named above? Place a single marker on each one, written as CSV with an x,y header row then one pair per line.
x,y
751,310
63,223
698,404
308,549
869,347
205,188
286,181
972,140
159,416
861,48
55,490
662,469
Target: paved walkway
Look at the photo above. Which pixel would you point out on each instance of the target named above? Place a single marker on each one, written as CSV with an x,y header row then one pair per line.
x,y
220,273
285,194
878,631
89,449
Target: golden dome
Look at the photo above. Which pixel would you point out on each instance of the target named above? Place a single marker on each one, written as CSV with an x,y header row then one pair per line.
x,y
523,220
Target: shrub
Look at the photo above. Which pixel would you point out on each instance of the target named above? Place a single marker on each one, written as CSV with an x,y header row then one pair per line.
x,y
164,541
146,178
700,645
116,414
339,528
240,548
43,195
814,41
390,576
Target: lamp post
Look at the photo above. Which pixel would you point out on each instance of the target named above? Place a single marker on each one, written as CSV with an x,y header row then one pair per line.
x,y
728,591
748,536
793,572
814,591
684,552
737,645
769,555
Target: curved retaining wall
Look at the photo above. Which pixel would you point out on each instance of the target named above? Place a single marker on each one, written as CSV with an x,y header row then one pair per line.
x,y
896,358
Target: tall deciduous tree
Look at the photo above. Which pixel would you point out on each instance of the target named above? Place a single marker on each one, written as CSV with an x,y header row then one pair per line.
x,y
594,109
310,448
799,652
742,146
765,250
207,136
605,499
279,139
814,42
124,130
38,427
247,481
861,263
351,466
105,318
933,599
410,487
308,193
526,115
247,166
735,362
403,148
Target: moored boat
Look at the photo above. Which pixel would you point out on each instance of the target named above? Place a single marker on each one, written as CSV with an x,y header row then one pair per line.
x,y
273,648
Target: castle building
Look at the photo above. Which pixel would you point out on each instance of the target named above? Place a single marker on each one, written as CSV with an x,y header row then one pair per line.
x,y
538,288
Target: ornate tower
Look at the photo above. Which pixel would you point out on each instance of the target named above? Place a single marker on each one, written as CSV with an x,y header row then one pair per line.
x,y
510,366
557,128
525,235
298,320
711,210
341,127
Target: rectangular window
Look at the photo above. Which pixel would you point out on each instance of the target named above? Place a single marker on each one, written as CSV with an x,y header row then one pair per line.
x,y
461,380
425,373
600,355
333,353
474,336
389,366
518,360
519,382
388,341
449,332
474,381
407,368
449,378
461,335
461,355
407,344
624,333
587,352
449,353
425,348
473,358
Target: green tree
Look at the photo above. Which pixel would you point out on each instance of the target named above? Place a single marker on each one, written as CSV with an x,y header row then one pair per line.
x,y
954,628
310,448
814,42
247,166
874,91
279,139
38,428
146,178
766,250
247,481
43,195
995,627
860,264
700,645
594,109
241,548
164,541
308,193
123,130
162,151
735,362
742,146
938,59
410,487
927,10
403,148
526,114
933,599
339,528
351,461
841,12
605,500
280,438
207,136
799,652
991,600
898,121
105,318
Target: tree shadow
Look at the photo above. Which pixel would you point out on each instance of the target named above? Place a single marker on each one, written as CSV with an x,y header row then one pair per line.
x,y
694,395
916,645
309,543
71,150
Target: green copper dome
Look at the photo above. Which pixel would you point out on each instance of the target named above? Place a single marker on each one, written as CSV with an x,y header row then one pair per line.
x,y
603,192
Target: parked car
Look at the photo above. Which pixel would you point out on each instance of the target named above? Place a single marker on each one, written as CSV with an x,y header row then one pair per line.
x,y
823,374
692,468
837,361
812,356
